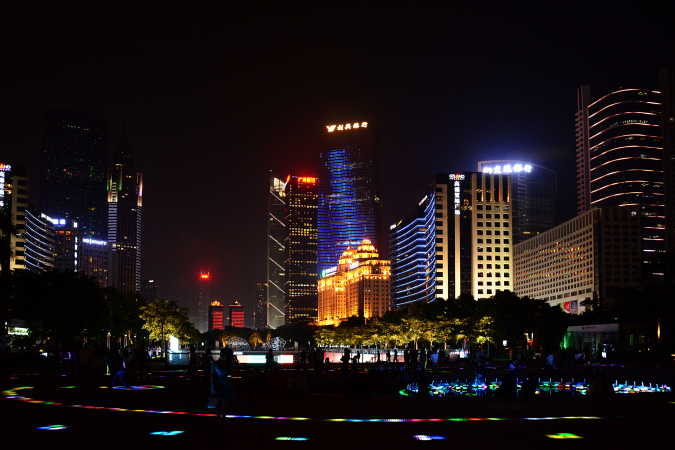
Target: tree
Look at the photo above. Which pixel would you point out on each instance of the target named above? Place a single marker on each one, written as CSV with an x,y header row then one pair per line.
x,y
163,318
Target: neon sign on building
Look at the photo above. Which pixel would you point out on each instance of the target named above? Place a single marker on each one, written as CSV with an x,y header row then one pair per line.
x,y
508,168
346,126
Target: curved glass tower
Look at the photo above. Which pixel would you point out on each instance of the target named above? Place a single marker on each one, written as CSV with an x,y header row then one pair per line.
x,y
620,162
413,255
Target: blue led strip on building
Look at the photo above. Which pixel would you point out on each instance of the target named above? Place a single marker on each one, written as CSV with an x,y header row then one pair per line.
x,y
346,213
413,251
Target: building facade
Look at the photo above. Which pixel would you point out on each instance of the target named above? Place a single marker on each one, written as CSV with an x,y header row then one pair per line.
x,y
199,312
467,250
125,220
300,246
260,311
534,191
13,206
235,314
590,257
276,252
39,243
413,255
620,162
349,204
216,315
358,286
73,171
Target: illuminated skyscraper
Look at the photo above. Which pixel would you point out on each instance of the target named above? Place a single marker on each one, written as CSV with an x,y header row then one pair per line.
x,y
357,286
300,265
276,252
39,243
620,163
125,219
216,315
73,175
260,312
349,205
534,191
199,312
471,236
13,206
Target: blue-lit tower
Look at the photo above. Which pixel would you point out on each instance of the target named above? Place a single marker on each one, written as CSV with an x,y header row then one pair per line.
x,y
349,206
413,255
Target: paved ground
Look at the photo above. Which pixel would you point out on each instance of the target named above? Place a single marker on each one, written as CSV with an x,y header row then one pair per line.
x,y
626,422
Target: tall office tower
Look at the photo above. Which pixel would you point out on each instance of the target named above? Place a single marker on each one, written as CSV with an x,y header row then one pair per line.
x,y
534,191
667,87
301,197
125,219
39,243
472,232
276,252
13,206
150,290
95,260
235,315
216,315
358,286
199,313
349,205
73,175
260,311
620,162
413,255
67,241
595,255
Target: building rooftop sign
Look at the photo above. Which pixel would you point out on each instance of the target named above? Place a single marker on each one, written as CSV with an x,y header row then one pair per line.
x,y
345,126
508,168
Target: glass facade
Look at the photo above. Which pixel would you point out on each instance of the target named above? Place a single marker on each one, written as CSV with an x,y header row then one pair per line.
x,y
348,203
39,243
621,157
413,255
276,252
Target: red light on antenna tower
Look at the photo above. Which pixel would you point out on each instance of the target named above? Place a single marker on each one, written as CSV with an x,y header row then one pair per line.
x,y
205,276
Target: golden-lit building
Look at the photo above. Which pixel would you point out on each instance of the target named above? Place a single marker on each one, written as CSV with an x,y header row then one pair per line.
x,y
357,286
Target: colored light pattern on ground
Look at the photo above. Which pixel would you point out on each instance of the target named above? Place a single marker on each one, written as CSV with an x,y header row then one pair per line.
x,y
53,427
13,394
143,387
564,436
290,438
426,437
444,388
167,433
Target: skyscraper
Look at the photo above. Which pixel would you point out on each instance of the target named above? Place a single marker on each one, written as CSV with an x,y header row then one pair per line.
x,y
39,242
199,313
349,205
125,219
73,175
276,252
216,315
472,236
300,265
667,87
260,311
235,314
13,206
534,190
620,163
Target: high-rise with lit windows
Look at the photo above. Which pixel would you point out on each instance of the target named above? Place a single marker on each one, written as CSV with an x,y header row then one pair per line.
x,y
349,204
235,314
359,285
620,162
13,206
300,265
125,219
466,250
199,311
217,318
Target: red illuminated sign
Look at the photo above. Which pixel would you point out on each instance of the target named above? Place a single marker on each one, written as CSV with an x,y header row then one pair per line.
x,y
308,180
205,276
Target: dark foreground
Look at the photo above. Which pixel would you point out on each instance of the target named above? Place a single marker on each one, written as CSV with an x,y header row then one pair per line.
x,y
623,422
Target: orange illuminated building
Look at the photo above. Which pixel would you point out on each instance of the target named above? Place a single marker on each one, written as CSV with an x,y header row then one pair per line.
x,y
216,315
358,286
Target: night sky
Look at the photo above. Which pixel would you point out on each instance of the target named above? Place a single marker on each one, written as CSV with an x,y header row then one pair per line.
x,y
213,99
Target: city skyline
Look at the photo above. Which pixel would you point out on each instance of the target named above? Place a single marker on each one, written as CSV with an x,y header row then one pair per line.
x,y
421,107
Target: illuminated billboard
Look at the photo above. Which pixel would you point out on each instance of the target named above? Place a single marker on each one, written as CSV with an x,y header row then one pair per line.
x,y
507,168
346,126
205,276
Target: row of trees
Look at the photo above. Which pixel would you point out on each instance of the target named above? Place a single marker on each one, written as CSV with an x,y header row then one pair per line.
x,y
463,321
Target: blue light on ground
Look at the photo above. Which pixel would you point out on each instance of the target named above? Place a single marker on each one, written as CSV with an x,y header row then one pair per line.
x,y
53,427
290,438
426,437
167,433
